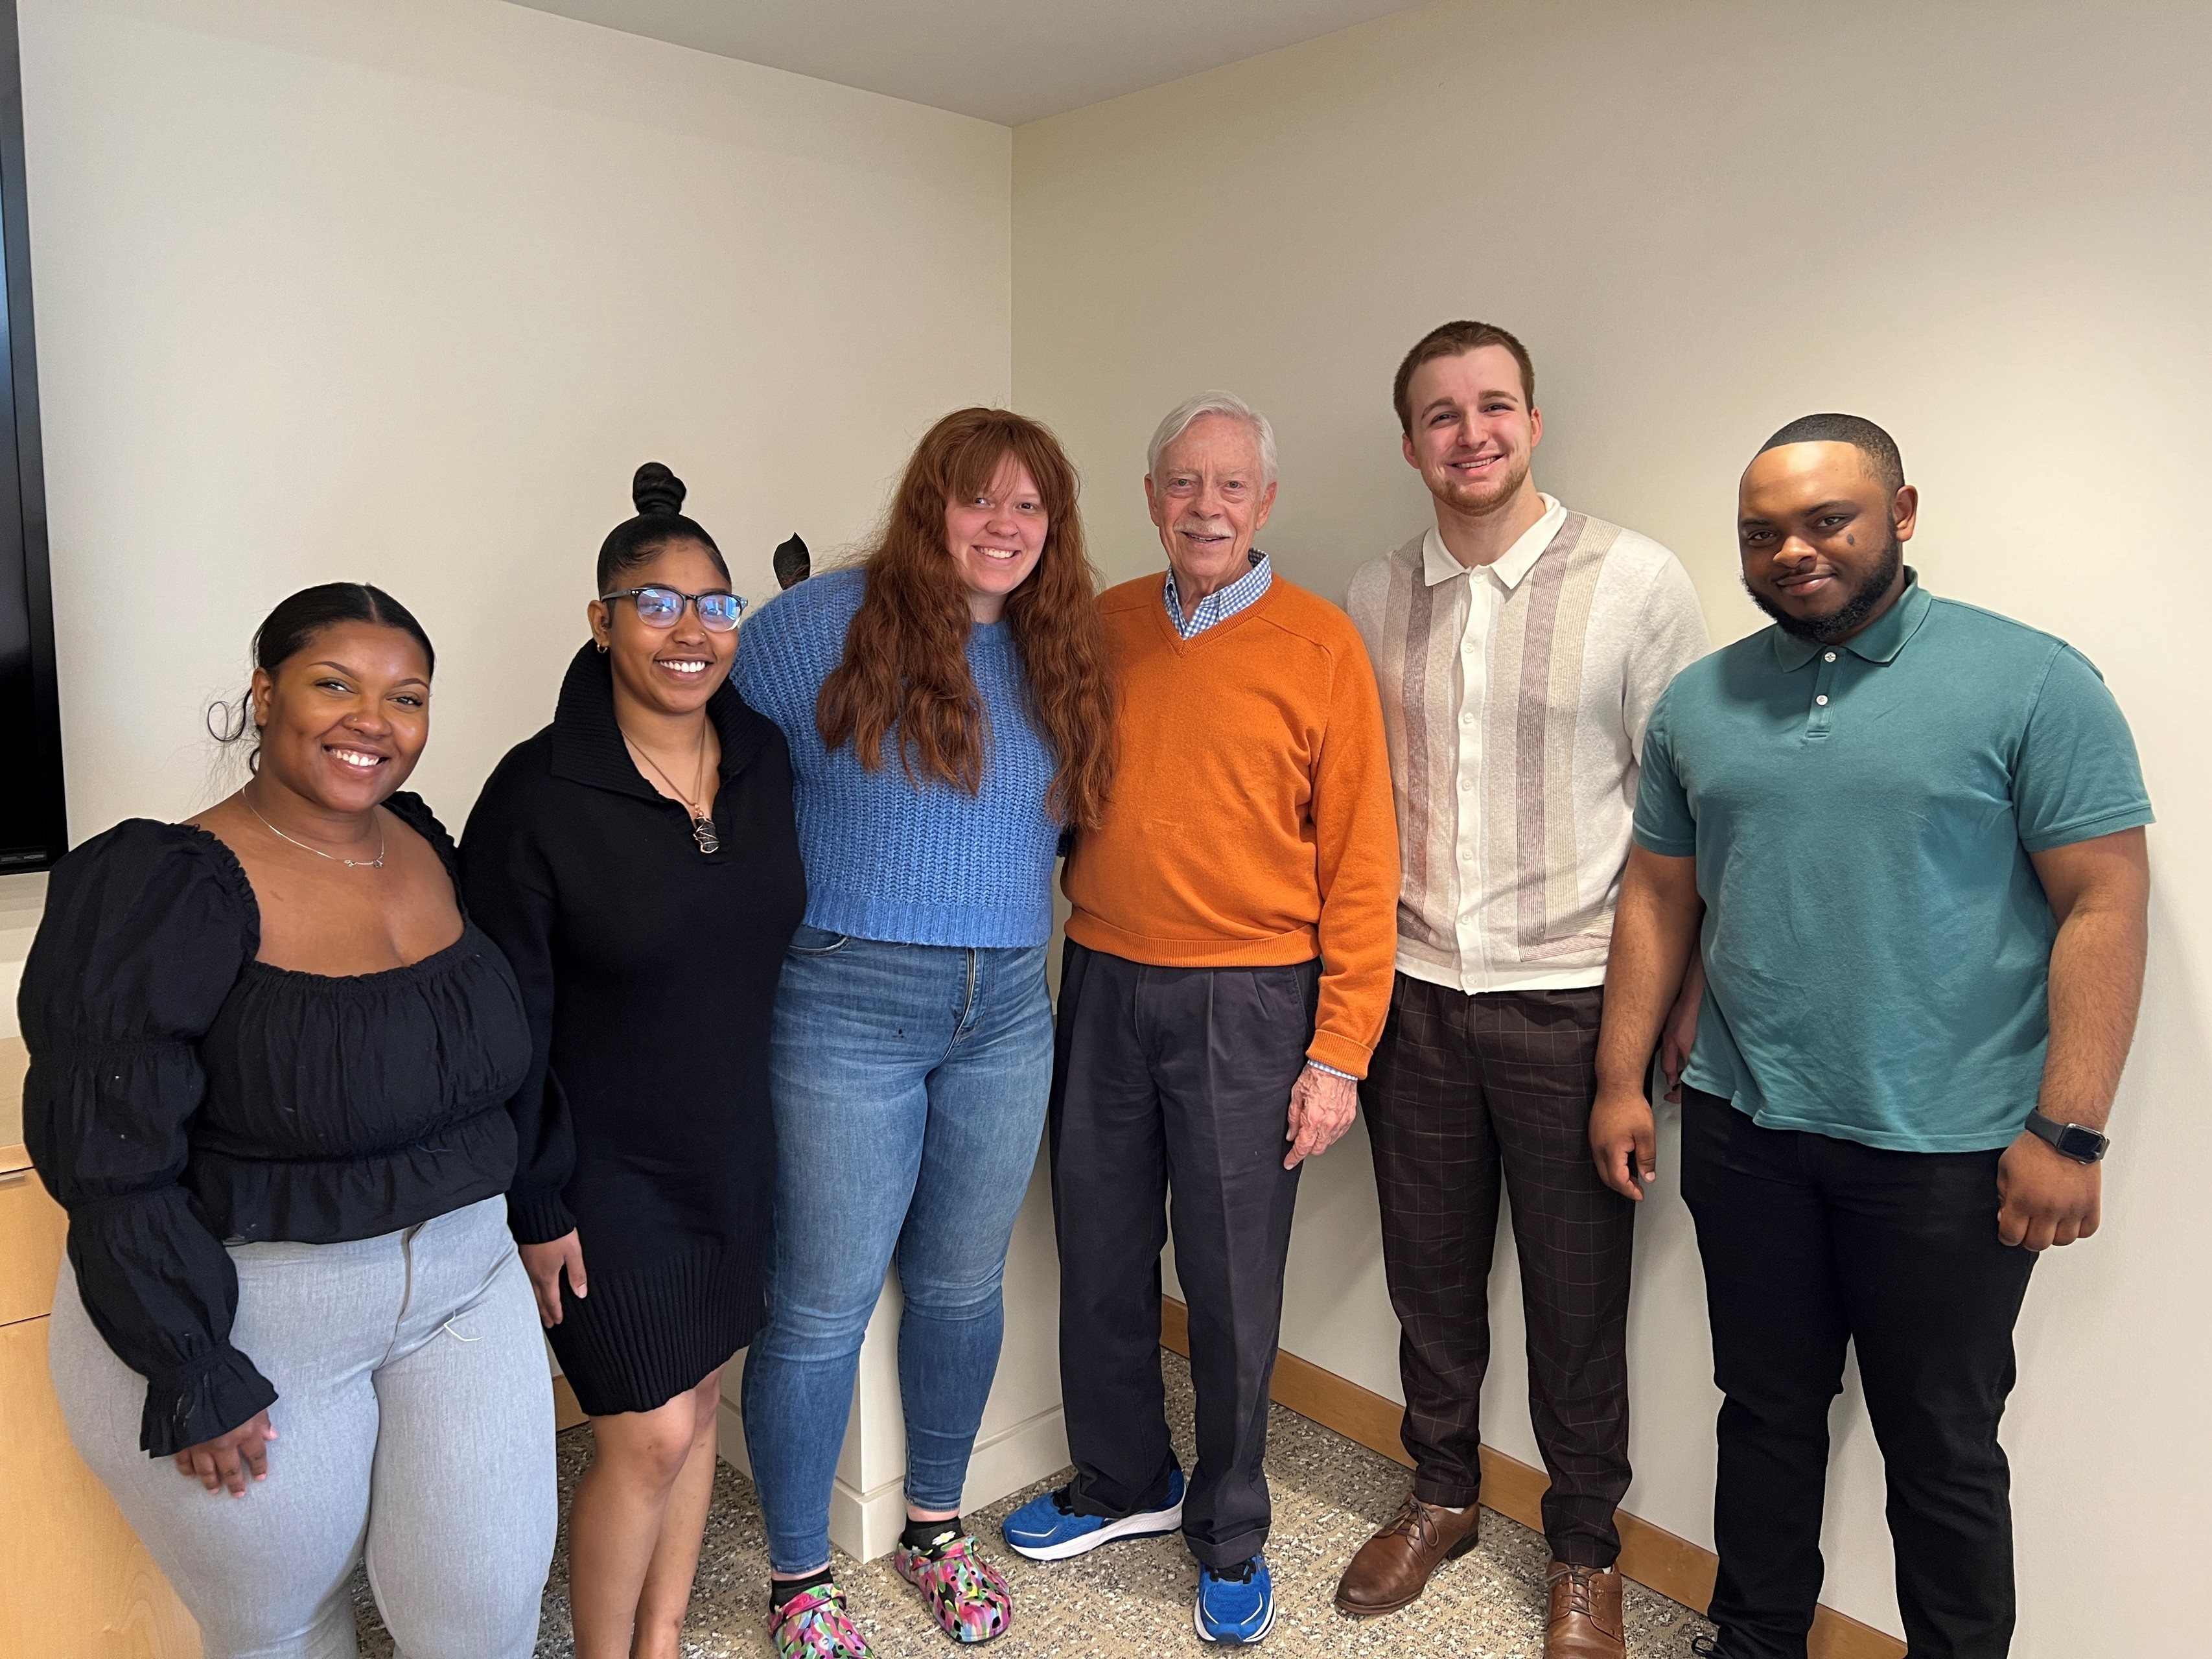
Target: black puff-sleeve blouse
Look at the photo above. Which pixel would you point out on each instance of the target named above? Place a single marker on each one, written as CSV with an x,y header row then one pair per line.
x,y
183,1095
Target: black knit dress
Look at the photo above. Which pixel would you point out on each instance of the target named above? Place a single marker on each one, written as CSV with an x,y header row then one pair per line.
x,y
649,970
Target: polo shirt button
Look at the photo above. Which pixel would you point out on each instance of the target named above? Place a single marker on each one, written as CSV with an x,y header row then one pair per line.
x,y
1467,719
1830,657
1465,785
1822,701
1465,856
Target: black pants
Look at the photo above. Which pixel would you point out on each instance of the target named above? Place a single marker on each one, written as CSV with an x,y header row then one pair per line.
x,y
1470,1095
1174,1078
1810,1243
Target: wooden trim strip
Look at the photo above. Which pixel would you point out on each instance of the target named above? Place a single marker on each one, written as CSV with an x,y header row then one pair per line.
x,y
1654,1558
15,1063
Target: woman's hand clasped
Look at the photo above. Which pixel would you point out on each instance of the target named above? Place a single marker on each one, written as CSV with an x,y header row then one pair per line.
x,y
226,1460
545,1263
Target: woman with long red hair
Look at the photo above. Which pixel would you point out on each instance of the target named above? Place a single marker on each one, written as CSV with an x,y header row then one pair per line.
x,y
949,714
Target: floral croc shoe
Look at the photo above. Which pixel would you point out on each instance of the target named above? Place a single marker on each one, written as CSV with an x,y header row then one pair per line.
x,y
813,1625
968,1599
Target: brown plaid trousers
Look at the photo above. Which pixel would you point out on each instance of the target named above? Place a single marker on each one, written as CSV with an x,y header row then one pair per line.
x,y
1464,1090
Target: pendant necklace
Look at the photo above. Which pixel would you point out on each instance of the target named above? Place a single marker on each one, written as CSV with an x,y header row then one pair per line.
x,y
376,863
702,826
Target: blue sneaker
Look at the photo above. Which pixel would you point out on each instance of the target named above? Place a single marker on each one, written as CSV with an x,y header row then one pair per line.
x,y
1046,1528
1235,1606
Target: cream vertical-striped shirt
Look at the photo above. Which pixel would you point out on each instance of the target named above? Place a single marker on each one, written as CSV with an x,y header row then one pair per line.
x,y
1515,696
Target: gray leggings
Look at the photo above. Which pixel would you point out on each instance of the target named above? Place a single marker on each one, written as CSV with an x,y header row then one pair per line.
x,y
414,1423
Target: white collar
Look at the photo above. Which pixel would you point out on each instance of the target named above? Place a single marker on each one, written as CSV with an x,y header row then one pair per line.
x,y
1438,564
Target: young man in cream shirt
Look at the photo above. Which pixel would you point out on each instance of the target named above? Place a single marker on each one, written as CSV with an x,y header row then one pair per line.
x,y
1519,648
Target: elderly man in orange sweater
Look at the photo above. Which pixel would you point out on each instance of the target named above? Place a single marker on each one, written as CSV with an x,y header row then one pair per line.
x,y
1227,969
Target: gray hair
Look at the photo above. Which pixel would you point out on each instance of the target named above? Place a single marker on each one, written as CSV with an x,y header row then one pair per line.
x,y
1179,420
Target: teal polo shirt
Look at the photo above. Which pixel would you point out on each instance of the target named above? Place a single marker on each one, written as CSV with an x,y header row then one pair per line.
x,y
1877,946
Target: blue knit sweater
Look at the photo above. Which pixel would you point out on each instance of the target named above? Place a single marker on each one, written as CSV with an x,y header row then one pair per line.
x,y
886,859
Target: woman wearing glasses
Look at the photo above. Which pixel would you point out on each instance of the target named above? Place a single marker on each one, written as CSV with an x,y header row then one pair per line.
x,y
948,711
637,862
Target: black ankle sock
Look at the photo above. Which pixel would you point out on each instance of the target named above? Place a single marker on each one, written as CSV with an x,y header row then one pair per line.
x,y
781,1590
923,1536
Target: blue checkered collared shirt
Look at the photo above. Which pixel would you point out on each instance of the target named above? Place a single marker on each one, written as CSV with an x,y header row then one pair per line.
x,y
1224,602
1217,607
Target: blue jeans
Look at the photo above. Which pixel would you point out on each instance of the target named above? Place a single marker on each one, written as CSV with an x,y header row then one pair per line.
x,y
909,1086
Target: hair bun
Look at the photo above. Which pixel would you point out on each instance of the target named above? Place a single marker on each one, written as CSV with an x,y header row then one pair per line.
x,y
656,489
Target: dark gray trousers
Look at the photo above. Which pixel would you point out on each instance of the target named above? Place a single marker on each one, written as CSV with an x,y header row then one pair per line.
x,y
1174,1079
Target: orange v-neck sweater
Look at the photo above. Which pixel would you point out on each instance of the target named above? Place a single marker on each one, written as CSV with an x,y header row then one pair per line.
x,y
1251,823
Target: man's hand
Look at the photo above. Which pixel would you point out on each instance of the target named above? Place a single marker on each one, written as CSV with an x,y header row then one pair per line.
x,y
544,1263
1322,1105
2046,1197
1655,948
1680,1033
1624,1142
228,1459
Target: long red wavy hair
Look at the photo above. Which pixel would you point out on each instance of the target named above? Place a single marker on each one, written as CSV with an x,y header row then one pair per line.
x,y
905,668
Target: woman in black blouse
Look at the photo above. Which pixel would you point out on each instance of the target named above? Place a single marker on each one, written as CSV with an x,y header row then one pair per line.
x,y
271,1057
638,861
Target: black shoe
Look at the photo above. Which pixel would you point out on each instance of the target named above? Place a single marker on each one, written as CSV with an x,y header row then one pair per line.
x,y
1709,1647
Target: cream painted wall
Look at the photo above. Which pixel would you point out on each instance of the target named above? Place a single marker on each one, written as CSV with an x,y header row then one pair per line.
x,y
1989,226
406,292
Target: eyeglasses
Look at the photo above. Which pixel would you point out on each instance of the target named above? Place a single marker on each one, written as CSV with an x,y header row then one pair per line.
x,y
661,607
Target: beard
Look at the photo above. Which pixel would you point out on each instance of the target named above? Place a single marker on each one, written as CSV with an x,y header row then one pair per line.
x,y
1866,598
1476,500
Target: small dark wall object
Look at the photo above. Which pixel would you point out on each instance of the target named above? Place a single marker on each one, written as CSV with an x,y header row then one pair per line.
x,y
792,565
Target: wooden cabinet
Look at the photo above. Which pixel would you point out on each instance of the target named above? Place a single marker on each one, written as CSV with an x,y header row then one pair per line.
x,y
75,1583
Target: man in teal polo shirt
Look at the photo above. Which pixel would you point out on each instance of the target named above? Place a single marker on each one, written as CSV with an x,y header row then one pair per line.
x,y
1914,831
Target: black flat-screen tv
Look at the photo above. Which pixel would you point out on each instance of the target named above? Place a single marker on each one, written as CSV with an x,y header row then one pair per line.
x,y
34,829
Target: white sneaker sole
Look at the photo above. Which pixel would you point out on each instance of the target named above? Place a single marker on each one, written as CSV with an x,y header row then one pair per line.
x,y
1150,1523
1198,1624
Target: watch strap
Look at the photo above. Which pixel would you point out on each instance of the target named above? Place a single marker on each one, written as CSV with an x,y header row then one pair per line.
x,y
2083,1145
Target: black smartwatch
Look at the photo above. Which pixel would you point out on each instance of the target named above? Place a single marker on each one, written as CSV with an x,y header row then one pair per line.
x,y
2071,1139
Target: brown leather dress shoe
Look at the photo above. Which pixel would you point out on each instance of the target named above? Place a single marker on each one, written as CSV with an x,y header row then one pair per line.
x,y
1585,1622
1393,1567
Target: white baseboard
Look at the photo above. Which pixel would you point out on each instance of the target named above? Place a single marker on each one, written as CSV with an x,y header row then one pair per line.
x,y
866,1524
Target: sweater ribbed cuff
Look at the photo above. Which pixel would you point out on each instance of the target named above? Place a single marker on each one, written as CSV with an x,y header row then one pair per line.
x,y
539,1219
1340,1054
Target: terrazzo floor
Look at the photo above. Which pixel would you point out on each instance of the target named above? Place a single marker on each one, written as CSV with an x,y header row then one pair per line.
x,y
1132,1600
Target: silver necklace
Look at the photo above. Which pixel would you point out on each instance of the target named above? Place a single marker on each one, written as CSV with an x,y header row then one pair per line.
x,y
702,826
376,863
